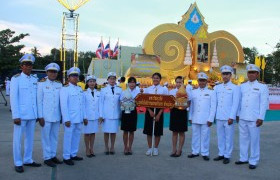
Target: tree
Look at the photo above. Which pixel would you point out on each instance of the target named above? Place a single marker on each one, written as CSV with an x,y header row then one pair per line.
x,y
35,52
275,68
85,59
10,51
250,54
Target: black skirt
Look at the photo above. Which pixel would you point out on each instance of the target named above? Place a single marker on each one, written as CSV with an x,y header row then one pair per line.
x,y
129,121
148,126
178,120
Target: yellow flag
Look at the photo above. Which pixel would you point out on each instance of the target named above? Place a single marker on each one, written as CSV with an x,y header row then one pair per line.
x,y
258,61
263,63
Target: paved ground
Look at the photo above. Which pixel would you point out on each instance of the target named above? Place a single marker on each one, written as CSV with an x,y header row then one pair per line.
x,y
139,166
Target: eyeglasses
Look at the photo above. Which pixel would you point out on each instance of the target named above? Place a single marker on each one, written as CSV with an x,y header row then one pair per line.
x,y
27,64
226,73
52,71
74,75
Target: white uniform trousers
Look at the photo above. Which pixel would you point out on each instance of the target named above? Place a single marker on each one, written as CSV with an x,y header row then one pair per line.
x,y
200,139
49,139
27,128
225,135
249,134
71,140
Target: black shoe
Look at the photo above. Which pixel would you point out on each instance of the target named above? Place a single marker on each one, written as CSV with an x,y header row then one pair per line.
x,y
33,164
129,153
252,166
107,152
226,161
19,169
68,162
241,162
76,158
206,158
89,156
173,155
92,155
193,155
218,158
56,161
112,153
50,163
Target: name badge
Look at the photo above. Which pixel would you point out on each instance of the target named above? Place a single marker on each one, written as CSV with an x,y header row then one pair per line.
x,y
47,87
256,89
118,94
206,94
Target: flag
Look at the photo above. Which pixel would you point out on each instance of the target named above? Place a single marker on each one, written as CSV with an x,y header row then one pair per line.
x,y
116,50
263,63
107,51
258,61
100,50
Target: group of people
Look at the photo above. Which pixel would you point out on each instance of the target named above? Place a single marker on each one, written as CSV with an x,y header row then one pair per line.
x,y
84,111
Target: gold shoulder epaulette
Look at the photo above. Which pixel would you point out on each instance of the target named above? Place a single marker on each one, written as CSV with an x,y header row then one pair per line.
x,y
43,80
243,82
17,75
57,81
262,82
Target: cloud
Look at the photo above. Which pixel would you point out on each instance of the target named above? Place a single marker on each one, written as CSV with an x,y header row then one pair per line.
x,y
45,37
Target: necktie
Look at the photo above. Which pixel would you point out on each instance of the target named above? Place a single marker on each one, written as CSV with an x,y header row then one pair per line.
x,y
156,91
113,90
92,93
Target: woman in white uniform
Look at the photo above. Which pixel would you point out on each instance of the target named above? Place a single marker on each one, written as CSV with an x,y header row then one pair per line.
x,y
92,113
110,112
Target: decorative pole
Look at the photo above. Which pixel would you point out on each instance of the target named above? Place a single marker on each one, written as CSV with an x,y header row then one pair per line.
x,y
215,61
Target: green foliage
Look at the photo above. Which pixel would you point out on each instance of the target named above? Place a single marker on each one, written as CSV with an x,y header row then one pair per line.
x,y
250,54
10,51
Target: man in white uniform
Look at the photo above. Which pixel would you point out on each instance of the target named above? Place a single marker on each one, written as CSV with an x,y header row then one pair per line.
x,y
7,85
49,113
24,112
253,106
201,116
227,95
73,114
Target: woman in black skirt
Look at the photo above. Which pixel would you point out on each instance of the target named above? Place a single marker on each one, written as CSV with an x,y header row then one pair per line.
x,y
129,120
156,88
178,121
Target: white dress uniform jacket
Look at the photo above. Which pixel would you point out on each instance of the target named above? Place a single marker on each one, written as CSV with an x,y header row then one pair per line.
x,y
72,104
203,106
253,101
227,101
23,97
92,104
109,103
48,101
24,106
